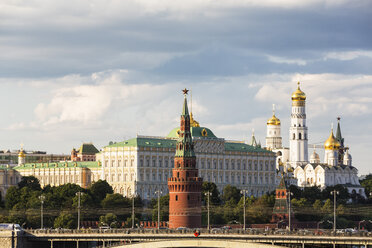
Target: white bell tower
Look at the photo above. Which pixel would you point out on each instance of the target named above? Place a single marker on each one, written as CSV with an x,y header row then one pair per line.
x,y
298,138
273,133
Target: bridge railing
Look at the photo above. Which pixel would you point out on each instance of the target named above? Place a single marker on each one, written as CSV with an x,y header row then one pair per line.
x,y
202,230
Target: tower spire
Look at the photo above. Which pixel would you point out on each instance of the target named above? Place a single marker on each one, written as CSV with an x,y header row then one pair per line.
x,y
185,203
338,132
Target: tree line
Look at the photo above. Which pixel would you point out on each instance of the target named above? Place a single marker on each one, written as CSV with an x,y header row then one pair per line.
x,y
99,203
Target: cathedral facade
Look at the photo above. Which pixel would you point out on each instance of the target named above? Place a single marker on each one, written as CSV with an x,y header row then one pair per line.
x,y
336,167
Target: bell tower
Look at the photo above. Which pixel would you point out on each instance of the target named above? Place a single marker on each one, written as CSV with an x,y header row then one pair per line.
x,y
298,139
185,186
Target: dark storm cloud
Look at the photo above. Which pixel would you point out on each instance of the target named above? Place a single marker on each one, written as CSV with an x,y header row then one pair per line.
x,y
230,41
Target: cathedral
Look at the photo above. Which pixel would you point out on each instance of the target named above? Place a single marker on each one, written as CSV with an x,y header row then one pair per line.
x,y
294,161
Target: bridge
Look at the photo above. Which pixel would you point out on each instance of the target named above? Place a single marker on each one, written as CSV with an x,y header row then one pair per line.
x,y
172,238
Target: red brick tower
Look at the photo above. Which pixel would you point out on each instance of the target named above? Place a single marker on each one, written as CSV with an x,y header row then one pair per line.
x,y
185,186
280,211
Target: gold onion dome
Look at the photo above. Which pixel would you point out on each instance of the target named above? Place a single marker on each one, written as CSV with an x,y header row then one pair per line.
x,y
273,121
332,143
298,95
21,154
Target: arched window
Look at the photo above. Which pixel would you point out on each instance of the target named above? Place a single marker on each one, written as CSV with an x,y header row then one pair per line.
x,y
176,197
294,136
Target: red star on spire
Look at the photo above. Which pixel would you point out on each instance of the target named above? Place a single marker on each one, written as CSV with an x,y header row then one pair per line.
x,y
185,91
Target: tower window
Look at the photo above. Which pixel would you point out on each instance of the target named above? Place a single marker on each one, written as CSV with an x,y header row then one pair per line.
x,y
176,197
294,136
188,197
299,136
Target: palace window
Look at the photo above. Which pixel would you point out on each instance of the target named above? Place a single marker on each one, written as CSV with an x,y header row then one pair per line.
x,y
160,163
154,163
141,162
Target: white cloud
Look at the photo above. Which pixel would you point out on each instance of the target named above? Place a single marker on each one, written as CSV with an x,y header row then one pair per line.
x,y
348,55
281,60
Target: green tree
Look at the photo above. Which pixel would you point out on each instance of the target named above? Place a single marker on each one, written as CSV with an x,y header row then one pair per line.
x,y
327,207
65,220
367,184
231,193
109,219
342,197
164,208
100,189
317,205
115,201
30,182
12,197
212,188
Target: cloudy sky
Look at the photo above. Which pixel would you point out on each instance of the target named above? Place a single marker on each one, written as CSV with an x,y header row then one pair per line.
x,y
99,71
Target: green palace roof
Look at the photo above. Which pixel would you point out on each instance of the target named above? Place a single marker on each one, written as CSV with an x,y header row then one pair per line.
x,y
171,143
67,164
88,148
195,132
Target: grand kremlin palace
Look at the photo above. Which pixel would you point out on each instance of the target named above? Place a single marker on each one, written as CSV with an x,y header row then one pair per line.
x,y
143,164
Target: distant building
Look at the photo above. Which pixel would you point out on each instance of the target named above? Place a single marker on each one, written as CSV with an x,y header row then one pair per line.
x,y
82,173
86,152
10,158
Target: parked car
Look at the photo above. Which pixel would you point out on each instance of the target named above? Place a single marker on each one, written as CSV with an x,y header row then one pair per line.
x,y
11,226
181,228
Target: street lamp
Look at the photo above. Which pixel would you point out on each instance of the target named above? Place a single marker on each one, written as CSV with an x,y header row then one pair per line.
x,y
289,193
159,193
42,198
133,197
334,193
208,194
244,192
79,194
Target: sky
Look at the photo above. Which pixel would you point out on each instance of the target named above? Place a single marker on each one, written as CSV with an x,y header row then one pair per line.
x,y
100,71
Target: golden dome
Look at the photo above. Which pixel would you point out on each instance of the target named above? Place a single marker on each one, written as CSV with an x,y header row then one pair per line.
x,y
298,95
193,123
21,154
332,143
273,121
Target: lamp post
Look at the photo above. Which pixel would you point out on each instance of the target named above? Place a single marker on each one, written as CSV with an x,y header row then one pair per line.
x,y
79,194
289,193
133,196
42,198
334,193
159,193
244,192
208,194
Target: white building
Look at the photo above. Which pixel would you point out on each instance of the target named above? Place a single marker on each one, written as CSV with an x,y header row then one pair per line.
x,y
337,165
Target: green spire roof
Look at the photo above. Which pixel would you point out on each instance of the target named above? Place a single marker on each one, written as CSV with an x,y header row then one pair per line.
x,y
185,109
338,133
